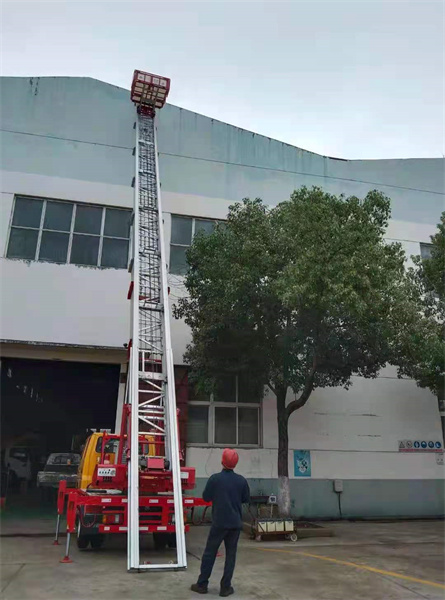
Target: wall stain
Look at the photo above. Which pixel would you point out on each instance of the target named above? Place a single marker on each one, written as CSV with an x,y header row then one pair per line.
x,y
36,86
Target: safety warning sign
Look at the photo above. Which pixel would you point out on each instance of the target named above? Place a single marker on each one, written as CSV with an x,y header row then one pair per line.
x,y
420,446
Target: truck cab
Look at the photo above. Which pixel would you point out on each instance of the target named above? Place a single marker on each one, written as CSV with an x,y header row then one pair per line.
x,y
92,455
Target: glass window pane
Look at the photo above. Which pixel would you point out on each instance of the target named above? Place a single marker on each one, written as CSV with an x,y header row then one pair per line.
x,y
181,230
88,219
249,390
178,261
54,246
225,425
206,226
58,216
225,389
117,223
27,212
22,243
198,424
248,425
425,250
84,250
114,253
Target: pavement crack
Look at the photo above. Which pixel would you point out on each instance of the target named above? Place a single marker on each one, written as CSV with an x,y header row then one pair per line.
x,y
397,582
194,555
13,577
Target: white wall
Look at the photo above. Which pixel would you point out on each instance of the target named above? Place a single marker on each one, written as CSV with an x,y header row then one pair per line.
x,y
352,434
262,464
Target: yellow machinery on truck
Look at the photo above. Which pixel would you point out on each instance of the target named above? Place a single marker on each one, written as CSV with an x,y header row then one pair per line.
x,y
92,453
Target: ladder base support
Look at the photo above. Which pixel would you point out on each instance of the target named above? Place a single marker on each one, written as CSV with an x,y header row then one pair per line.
x,y
156,568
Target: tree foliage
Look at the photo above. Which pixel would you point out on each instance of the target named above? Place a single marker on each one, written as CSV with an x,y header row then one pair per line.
x,y
420,339
299,295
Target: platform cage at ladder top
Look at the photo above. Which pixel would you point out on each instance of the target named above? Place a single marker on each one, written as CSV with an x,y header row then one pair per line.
x,y
151,389
149,91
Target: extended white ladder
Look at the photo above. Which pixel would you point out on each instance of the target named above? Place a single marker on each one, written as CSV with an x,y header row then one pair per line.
x,y
151,389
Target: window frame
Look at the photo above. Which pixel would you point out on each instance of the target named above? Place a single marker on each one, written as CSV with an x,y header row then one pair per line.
x,y
193,219
212,404
70,233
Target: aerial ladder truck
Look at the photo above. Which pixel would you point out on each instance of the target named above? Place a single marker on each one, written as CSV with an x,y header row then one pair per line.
x,y
137,481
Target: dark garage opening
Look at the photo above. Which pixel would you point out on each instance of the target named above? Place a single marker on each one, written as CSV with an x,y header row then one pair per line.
x,y
48,406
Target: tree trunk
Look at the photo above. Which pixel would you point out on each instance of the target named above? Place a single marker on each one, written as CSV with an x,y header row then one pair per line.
x,y
441,394
283,451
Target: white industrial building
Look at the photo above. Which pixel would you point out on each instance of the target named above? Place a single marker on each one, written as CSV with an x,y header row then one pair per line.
x,y
66,199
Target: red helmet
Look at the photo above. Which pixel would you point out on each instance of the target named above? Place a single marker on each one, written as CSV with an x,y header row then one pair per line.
x,y
229,458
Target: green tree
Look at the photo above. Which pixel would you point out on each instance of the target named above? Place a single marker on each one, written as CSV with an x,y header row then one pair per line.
x,y
299,297
420,338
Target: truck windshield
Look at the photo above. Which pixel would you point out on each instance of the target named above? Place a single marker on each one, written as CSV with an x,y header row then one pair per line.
x,y
111,447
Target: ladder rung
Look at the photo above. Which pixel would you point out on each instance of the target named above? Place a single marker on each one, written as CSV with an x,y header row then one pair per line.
x,y
151,417
151,376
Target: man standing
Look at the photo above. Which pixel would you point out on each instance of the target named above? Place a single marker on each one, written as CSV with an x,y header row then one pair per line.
x,y
227,491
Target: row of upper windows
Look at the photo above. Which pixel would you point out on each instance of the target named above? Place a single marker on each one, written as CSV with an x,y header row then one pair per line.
x,y
82,234
65,232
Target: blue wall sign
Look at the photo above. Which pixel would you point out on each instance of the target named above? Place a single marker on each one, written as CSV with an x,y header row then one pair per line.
x,y
302,463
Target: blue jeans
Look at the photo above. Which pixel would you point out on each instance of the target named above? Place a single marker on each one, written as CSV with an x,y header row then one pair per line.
x,y
217,535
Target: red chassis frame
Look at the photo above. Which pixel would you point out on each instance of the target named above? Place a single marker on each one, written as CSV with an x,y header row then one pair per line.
x,y
109,513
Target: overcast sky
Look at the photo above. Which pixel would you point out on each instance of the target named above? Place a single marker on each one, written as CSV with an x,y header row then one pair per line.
x,y
354,79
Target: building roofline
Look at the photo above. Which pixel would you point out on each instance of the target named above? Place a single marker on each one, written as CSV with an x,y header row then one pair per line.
x,y
248,131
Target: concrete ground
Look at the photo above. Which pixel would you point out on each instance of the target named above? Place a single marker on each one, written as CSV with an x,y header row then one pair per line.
x,y
369,561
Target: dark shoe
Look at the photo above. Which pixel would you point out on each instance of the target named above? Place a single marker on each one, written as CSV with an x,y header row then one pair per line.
x,y
224,592
199,589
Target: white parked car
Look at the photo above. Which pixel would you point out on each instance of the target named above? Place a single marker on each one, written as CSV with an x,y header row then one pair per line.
x,y
59,466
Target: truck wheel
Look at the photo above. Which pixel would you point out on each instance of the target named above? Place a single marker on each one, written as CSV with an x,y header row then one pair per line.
x,y
171,542
97,541
82,540
160,540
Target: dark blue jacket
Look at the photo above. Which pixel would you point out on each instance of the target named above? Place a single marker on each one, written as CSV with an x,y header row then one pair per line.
x,y
227,491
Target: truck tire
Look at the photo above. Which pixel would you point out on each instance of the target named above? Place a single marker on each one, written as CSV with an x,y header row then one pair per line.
x,y
82,542
171,541
97,541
